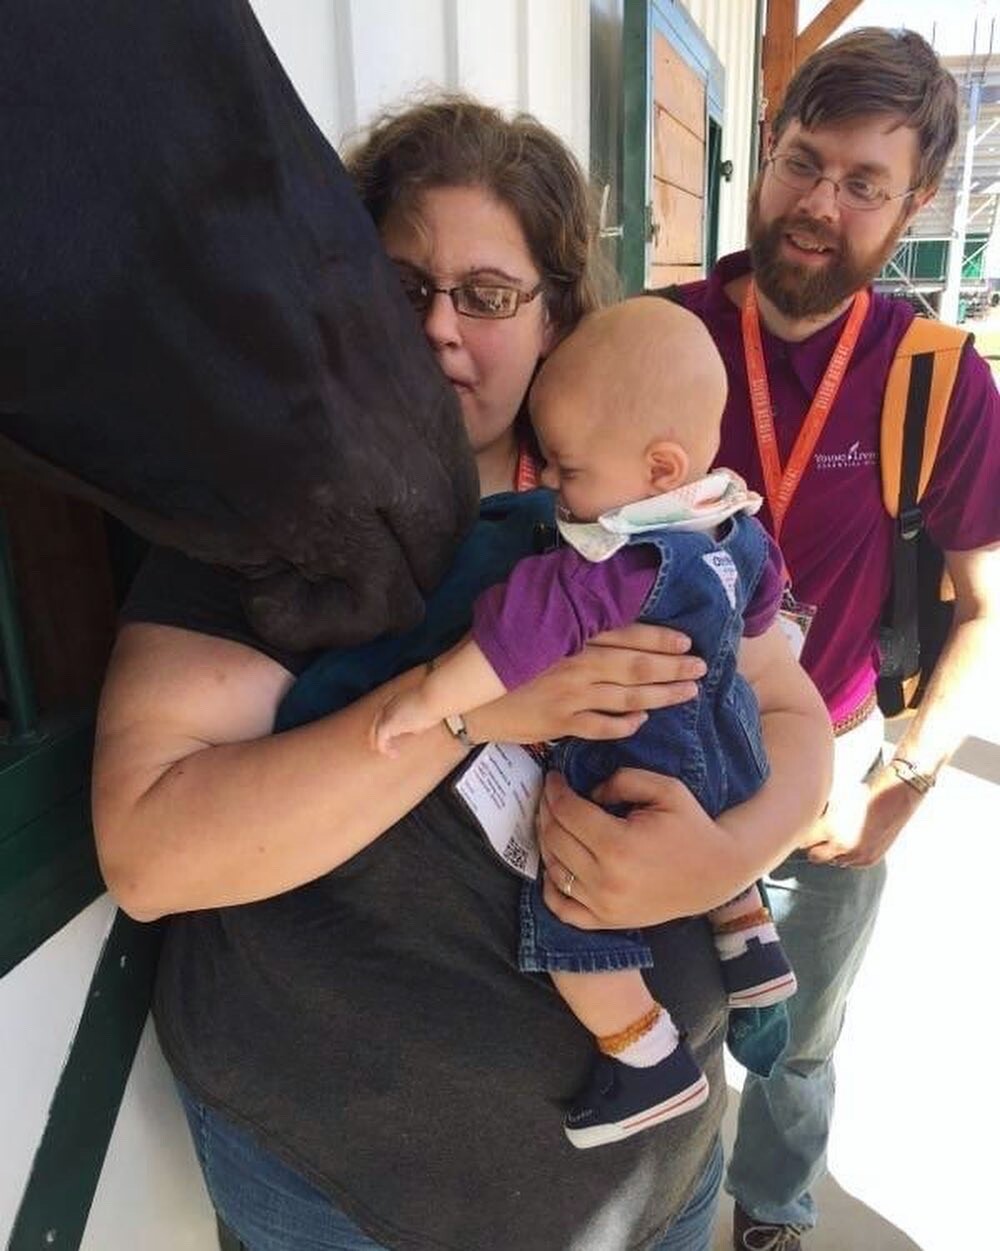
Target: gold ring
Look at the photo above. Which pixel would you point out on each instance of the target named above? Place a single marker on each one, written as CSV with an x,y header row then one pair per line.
x,y
567,884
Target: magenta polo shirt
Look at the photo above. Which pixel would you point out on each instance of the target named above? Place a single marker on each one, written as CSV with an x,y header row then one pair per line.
x,y
837,536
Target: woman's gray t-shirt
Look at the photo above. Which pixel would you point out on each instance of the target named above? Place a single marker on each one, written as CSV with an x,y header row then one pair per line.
x,y
372,1029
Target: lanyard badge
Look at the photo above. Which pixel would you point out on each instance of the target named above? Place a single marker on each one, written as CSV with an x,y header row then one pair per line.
x,y
781,482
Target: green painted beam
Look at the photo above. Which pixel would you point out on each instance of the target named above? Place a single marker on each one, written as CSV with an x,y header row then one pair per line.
x,y
635,140
56,878
67,1166
22,707
48,866
36,776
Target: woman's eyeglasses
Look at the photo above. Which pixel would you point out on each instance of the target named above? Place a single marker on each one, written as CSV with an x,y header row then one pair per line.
x,y
851,193
471,299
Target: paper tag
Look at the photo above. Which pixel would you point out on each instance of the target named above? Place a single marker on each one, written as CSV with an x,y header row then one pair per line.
x,y
501,788
721,564
795,619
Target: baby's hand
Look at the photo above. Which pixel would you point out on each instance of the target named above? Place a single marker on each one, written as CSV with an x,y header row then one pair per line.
x,y
403,714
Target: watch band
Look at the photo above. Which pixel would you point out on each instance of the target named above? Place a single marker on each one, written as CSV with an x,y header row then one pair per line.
x,y
456,724
908,772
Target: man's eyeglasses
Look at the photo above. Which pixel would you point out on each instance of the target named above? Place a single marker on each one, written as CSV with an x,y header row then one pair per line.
x,y
472,299
851,193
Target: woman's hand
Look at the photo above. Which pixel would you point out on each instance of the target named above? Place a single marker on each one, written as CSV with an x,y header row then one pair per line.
x,y
665,859
601,693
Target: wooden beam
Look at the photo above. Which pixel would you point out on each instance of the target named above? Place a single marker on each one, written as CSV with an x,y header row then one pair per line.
x,y
779,51
822,27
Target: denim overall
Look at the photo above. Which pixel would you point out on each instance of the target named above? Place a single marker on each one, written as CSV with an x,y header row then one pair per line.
x,y
713,743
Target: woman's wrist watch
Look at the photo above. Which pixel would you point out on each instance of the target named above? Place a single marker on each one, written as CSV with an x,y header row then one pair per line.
x,y
908,772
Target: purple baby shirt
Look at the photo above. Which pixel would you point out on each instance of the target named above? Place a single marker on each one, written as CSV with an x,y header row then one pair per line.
x,y
553,603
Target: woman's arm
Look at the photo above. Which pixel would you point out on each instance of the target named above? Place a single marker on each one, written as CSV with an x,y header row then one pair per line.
x,y
667,858
197,804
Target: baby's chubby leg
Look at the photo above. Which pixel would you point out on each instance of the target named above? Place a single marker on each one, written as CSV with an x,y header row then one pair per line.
x,y
609,1004
755,969
747,909
646,1074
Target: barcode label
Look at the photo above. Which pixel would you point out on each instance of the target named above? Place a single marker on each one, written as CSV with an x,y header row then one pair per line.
x,y
501,788
515,855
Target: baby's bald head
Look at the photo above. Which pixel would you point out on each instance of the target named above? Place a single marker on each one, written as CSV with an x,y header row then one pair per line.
x,y
643,371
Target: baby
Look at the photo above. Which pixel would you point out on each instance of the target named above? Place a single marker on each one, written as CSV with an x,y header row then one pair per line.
x,y
627,411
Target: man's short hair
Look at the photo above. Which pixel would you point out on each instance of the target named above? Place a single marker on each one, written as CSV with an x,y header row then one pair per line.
x,y
875,71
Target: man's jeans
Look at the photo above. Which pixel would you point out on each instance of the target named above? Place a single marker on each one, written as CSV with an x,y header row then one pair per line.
x,y
825,916
270,1207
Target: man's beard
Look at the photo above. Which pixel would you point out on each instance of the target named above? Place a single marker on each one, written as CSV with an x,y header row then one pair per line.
x,y
798,290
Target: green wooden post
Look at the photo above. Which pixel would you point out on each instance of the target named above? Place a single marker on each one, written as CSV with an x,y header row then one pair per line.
x,y
635,145
22,709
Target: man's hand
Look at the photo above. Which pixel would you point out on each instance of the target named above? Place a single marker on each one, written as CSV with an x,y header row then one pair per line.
x,y
666,859
861,825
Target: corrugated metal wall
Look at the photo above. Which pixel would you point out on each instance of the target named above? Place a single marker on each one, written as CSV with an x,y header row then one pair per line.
x,y
351,58
729,27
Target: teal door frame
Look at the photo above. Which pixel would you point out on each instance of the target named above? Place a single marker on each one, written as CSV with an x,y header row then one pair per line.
x,y
640,20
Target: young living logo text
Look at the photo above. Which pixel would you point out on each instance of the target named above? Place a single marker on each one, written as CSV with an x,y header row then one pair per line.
x,y
853,458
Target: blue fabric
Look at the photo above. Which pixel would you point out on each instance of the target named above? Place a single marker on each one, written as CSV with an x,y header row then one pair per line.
x,y
271,1207
511,525
712,743
826,916
548,945
692,1230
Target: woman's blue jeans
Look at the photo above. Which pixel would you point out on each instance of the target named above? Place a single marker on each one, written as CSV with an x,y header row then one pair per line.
x,y
270,1207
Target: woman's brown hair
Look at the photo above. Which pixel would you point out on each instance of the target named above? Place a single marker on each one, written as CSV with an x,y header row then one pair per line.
x,y
454,141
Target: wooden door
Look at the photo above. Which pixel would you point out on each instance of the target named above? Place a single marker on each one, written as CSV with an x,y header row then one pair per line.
x,y
678,189
673,91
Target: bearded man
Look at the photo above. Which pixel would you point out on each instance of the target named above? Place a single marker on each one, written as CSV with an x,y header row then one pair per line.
x,y
858,147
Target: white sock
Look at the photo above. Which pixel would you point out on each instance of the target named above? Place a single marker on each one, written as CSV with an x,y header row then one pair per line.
x,y
729,946
653,1046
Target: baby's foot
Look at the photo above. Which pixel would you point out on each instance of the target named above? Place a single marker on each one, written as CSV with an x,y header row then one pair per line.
x,y
620,1100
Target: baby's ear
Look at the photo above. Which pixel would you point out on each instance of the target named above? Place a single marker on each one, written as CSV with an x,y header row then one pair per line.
x,y
667,465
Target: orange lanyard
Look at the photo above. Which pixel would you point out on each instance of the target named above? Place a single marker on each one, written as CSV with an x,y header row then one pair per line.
x,y
780,485
526,471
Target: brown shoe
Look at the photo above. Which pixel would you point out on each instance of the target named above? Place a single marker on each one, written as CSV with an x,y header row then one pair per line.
x,y
750,1234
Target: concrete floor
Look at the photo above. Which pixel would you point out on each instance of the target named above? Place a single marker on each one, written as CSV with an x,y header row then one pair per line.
x,y
914,1156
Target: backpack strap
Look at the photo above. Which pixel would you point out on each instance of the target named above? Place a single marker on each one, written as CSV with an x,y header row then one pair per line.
x,y
917,394
918,391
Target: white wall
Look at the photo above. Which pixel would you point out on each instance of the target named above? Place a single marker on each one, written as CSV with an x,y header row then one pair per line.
x,y
150,1194
351,58
40,1004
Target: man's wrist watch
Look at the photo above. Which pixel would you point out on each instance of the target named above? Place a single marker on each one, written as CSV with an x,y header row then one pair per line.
x,y
908,772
